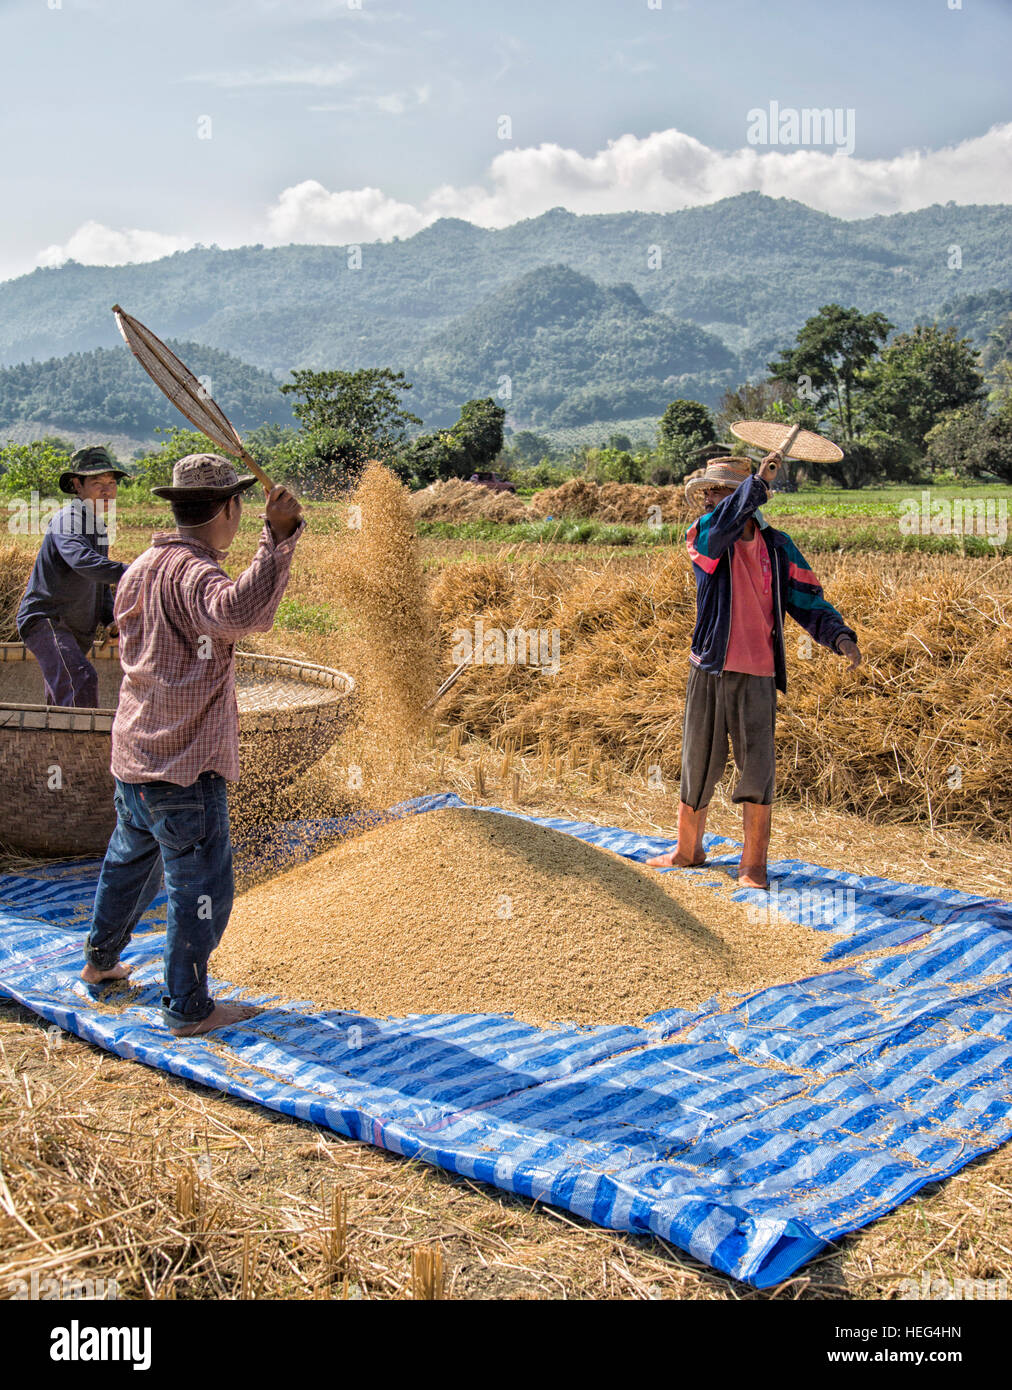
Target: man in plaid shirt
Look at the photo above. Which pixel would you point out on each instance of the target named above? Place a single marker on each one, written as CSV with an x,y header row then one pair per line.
x,y
175,738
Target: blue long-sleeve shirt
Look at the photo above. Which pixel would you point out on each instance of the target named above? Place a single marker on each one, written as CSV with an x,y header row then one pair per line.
x,y
72,573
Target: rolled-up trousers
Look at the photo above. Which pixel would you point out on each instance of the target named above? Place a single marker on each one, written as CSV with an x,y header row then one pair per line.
x,y
735,707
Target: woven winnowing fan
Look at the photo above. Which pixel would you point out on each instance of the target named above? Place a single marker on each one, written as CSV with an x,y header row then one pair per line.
x,y
789,440
176,382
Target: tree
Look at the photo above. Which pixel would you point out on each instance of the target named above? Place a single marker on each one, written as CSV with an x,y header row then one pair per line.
x,y
480,432
614,466
469,446
350,417
684,428
529,448
833,350
973,443
34,467
920,377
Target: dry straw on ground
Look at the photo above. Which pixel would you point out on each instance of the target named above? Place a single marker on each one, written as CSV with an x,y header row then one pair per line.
x,y
920,732
457,500
471,912
633,504
15,567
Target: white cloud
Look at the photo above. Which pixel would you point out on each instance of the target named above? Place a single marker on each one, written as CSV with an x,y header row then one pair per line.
x,y
94,244
314,75
308,212
661,172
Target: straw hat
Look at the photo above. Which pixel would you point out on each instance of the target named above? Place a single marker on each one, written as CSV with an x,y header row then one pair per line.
x,y
203,478
722,472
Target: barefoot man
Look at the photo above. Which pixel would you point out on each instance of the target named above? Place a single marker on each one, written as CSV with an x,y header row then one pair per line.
x,y
175,739
747,576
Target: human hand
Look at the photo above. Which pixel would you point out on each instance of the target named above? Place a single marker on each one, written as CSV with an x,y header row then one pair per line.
x,y
769,467
283,512
850,650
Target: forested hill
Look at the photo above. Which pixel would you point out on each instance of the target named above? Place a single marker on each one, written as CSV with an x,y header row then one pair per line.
x,y
107,390
558,349
749,268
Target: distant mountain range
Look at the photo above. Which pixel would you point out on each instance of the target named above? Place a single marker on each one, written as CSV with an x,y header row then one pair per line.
x,y
106,390
556,348
589,317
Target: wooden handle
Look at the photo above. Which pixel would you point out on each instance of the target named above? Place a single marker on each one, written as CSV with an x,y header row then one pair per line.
x,y
785,447
257,472
450,681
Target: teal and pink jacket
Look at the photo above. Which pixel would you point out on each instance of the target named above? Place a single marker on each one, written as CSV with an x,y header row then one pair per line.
x,y
796,590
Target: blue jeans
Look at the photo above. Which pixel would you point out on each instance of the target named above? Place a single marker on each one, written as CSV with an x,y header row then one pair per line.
x,y
182,831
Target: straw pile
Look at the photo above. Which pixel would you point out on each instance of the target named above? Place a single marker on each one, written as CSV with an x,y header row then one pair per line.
x,y
473,911
457,500
629,504
920,732
15,567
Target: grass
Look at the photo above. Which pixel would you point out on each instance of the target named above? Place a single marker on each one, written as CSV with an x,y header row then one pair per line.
x,y
819,520
295,616
554,532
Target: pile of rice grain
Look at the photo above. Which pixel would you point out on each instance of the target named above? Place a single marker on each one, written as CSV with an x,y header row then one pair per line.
x,y
379,580
462,911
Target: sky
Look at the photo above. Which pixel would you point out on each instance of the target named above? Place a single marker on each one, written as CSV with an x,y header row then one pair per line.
x,y
134,128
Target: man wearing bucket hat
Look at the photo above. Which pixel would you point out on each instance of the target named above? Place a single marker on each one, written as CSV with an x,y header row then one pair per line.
x,y
748,575
175,738
68,593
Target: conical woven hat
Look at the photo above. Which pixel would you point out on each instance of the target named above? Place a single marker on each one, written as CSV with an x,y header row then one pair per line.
x,y
722,472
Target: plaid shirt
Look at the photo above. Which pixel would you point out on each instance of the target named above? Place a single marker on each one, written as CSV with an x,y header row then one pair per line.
x,y
179,617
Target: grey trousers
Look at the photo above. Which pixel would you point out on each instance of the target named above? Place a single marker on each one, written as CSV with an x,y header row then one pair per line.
x,y
729,706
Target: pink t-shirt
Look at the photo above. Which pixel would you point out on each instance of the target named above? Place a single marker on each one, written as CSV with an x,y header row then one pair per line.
x,y
750,642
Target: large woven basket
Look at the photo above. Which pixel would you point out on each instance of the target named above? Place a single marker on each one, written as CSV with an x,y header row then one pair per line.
x,y
57,787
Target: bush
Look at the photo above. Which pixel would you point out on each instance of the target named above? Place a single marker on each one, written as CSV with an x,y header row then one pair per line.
x,y
35,467
541,475
614,466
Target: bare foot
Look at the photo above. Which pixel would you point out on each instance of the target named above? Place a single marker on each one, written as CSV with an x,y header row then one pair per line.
x,y
753,878
91,975
674,860
219,1017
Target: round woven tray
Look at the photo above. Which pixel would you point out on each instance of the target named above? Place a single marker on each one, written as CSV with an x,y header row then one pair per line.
x,y
57,784
809,447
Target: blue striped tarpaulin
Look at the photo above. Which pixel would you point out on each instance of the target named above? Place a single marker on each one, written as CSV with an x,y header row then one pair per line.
x,y
749,1136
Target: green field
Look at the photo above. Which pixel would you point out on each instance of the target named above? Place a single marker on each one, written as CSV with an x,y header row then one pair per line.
x,y
938,520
